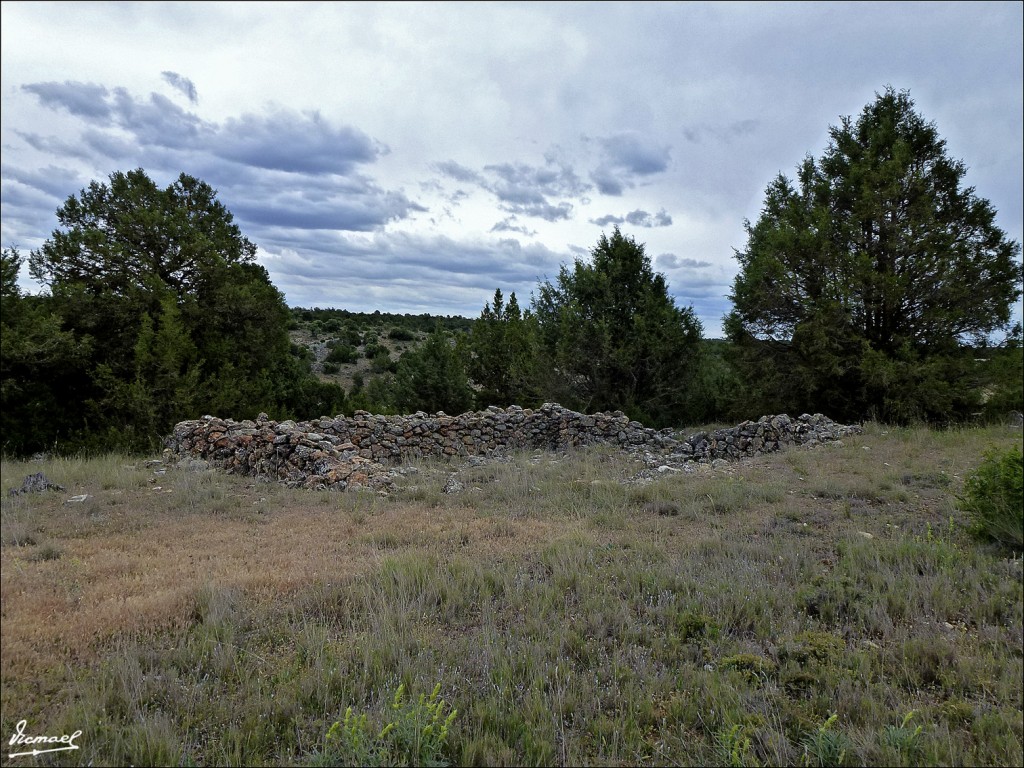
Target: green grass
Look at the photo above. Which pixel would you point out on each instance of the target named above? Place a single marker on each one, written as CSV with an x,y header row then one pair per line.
x,y
814,607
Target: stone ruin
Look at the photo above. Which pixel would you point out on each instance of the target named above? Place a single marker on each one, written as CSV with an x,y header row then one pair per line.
x,y
362,450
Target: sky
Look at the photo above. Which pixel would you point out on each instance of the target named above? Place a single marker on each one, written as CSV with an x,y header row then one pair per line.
x,y
414,157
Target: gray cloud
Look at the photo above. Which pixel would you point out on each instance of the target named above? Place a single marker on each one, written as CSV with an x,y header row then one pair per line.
x,y
640,218
635,155
537,191
109,145
626,156
607,181
282,140
332,211
637,218
509,225
671,261
525,189
86,100
725,134
56,182
158,121
546,180
28,213
183,84
398,269
281,168
300,143
542,210
458,172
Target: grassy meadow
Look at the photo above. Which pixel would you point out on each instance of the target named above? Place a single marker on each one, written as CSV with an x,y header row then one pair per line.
x,y
818,606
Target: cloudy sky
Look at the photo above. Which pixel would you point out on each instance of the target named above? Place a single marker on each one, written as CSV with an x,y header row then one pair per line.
x,y
413,157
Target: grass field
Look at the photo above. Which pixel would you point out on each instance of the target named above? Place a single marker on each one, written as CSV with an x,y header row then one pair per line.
x,y
813,607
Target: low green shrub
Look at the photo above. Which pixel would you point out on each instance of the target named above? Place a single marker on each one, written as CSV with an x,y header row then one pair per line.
x,y
342,353
993,495
401,334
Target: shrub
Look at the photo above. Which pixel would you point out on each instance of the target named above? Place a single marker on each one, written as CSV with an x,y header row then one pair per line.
x,y
331,368
373,348
994,497
351,336
342,353
904,741
302,352
401,334
381,361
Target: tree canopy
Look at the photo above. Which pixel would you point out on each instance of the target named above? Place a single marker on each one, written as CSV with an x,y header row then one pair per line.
x,y
615,338
862,284
167,312
503,354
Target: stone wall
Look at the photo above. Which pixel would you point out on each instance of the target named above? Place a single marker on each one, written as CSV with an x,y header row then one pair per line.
x,y
358,450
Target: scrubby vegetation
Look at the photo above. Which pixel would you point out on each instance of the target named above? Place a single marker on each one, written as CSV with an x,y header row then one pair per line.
x,y
994,497
812,607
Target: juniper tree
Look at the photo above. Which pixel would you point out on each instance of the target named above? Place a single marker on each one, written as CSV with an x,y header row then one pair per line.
x,y
862,284
503,353
614,338
164,291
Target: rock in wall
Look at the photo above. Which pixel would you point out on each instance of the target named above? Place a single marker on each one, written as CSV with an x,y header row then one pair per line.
x,y
352,451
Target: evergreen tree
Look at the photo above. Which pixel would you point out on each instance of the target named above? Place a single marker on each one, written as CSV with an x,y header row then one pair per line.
x,y
502,350
38,365
162,290
860,286
433,377
615,339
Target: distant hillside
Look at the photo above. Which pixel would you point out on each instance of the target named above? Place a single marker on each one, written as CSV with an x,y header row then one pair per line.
x,y
348,348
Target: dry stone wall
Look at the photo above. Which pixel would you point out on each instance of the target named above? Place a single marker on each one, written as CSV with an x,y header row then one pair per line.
x,y
361,450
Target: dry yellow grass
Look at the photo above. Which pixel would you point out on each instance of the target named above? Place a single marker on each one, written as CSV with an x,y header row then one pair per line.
x,y
131,561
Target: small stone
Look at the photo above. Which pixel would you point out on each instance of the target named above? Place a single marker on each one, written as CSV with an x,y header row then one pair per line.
x,y
83,497
452,485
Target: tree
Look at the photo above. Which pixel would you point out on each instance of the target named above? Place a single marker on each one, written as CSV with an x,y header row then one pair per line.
x,y
163,289
861,286
503,353
38,361
614,336
433,377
